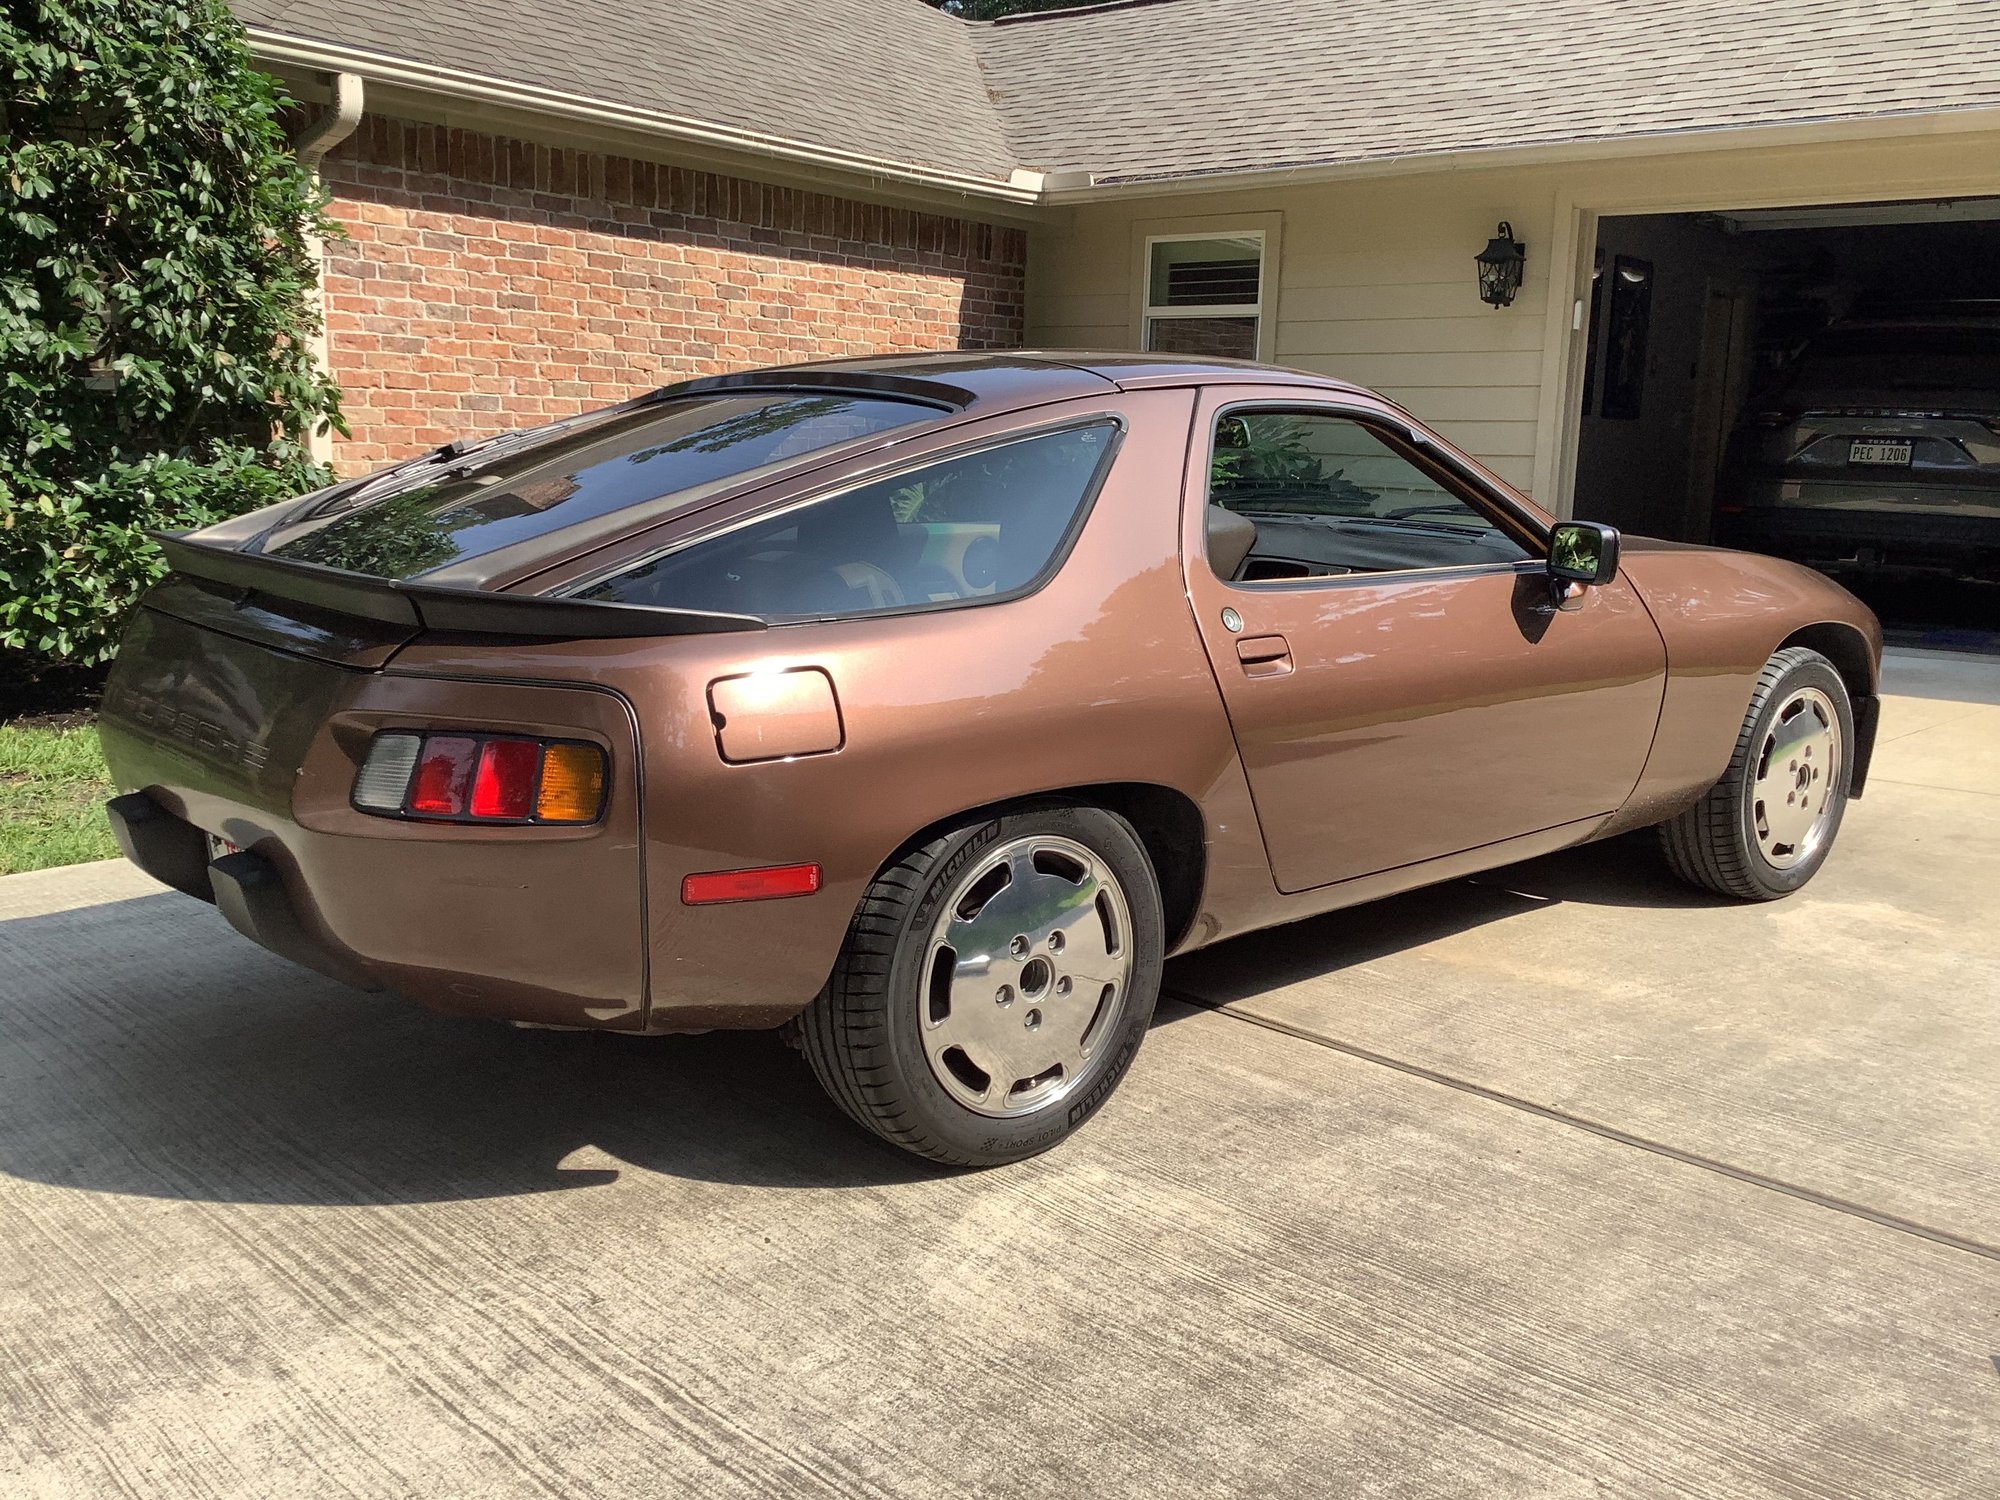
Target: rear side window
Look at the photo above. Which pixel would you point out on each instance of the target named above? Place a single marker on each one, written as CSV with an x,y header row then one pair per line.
x,y
517,491
974,527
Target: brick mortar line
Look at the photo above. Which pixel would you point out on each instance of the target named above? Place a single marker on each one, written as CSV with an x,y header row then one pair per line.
x,y
1606,1132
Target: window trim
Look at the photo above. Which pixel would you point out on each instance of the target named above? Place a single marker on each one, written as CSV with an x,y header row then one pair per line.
x,y
1118,423
1413,446
1258,311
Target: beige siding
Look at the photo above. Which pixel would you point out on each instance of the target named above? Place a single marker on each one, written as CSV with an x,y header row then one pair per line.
x,y
1375,285
1375,278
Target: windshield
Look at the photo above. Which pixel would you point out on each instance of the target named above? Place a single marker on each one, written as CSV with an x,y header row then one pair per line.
x,y
505,493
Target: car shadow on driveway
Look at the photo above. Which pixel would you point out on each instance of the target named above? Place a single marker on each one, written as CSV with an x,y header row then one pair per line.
x,y
145,1049
1621,872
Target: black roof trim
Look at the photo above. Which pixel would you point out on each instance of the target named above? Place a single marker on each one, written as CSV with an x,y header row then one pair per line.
x,y
855,382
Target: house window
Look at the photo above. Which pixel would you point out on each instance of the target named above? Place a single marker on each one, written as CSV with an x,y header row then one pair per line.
x,y
1205,296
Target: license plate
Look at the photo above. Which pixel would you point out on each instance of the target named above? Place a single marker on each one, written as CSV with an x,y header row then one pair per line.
x,y
1867,451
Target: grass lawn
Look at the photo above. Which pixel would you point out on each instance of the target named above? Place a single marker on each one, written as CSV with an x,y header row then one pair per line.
x,y
52,793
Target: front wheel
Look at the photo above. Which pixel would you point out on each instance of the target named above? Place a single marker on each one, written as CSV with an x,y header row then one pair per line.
x,y
995,984
1766,827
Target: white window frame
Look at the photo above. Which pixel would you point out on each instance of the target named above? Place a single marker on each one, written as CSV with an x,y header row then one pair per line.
x,y
1207,310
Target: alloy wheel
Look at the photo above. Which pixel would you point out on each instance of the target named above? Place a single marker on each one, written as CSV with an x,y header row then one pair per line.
x,y
1795,778
1025,975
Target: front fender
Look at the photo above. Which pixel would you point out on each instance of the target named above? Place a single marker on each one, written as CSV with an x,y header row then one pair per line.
x,y
1722,615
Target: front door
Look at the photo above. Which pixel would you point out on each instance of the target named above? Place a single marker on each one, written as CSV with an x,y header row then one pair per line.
x,y
1399,678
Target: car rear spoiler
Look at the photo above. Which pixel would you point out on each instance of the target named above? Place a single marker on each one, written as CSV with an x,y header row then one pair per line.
x,y
420,606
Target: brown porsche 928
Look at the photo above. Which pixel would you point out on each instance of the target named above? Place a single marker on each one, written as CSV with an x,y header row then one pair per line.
x,y
924,705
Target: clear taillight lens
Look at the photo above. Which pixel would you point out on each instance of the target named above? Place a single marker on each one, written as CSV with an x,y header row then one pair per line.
x,y
385,776
481,778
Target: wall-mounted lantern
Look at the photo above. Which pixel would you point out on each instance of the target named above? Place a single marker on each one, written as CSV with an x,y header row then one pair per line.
x,y
1500,267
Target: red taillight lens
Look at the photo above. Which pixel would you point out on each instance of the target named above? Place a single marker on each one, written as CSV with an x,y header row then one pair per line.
x,y
504,784
750,885
489,778
444,768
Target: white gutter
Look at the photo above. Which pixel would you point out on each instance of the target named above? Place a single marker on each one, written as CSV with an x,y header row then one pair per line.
x,y
335,126
377,67
328,131
1078,186
1024,186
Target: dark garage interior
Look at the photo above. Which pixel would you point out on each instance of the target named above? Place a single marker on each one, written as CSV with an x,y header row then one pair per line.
x,y
1823,383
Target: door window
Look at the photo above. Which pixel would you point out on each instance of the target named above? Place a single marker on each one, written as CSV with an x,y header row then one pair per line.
x,y
1328,496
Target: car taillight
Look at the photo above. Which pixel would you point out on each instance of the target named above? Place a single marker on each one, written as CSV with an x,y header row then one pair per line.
x,y
572,784
481,778
444,768
503,786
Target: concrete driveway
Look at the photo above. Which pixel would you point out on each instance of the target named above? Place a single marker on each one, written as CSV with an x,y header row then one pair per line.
x,y
1564,1181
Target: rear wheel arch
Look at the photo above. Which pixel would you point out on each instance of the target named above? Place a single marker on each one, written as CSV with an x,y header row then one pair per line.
x,y
1168,822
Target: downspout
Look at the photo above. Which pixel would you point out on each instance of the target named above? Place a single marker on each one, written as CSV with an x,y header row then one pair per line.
x,y
328,131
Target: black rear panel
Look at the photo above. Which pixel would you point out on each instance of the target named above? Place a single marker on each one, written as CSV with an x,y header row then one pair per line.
x,y
212,714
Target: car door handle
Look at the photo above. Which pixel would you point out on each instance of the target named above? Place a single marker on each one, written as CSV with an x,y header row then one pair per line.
x,y
1264,655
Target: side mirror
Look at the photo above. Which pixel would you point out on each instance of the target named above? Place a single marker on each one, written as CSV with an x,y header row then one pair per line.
x,y
1583,552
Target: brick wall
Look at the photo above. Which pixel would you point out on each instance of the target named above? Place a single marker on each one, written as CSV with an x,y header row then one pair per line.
x,y
489,283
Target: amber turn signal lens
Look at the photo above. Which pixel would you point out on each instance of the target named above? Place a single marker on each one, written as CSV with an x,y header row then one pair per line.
x,y
572,789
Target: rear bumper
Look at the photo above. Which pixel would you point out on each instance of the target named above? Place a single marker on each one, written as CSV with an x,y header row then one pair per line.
x,y
208,734
1838,534
170,850
246,888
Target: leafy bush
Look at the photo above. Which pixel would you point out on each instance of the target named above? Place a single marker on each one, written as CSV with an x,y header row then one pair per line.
x,y
155,315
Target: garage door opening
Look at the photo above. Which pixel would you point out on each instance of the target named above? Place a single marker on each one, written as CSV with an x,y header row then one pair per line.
x,y
1821,383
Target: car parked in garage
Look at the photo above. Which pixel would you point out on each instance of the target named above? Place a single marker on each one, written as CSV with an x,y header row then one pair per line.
x,y
924,705
1880,452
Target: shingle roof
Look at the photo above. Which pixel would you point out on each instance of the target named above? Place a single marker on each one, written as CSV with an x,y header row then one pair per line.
x,y
893,79
1188,86
1171,88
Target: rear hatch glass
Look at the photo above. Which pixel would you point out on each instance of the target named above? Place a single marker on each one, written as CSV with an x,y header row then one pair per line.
x,y
507,493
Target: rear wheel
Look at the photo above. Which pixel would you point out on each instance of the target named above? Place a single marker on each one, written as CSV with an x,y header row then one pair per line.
x,y
995,984
1767,826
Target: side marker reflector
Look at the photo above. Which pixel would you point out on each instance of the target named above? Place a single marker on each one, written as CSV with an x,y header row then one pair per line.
x,y
765,884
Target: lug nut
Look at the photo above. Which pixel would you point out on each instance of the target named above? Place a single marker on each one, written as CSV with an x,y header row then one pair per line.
x,y
1056,942
1004,995
1018,946
1062,985
1032,1019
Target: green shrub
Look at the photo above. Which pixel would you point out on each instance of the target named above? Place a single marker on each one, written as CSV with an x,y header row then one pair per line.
x,y
155,314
